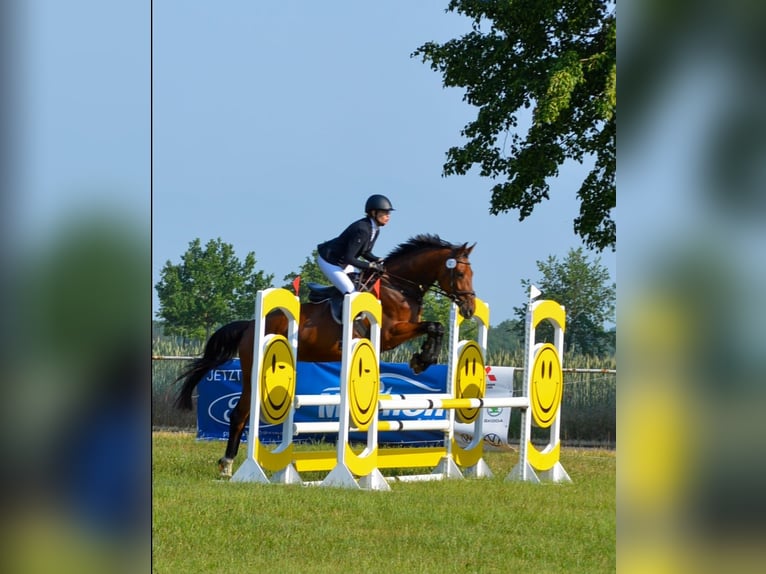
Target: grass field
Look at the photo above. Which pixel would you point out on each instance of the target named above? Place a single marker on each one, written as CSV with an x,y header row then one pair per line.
x,y
202,524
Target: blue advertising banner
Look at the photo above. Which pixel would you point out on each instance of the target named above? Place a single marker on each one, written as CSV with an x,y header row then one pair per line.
x,y
220,389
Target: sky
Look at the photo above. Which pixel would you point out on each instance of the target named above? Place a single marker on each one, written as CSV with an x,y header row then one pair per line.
x,y
273,122
82,80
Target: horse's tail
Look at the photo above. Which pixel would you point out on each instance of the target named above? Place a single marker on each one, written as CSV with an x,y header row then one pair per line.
x,y
222,346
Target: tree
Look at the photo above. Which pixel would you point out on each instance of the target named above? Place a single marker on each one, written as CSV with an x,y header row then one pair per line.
x,y
558,57
583,288
309,273
505,338
438,308
210,287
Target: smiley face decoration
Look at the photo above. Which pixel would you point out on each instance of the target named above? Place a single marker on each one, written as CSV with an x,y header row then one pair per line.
x,y
364,384
277,384
470,380
547,386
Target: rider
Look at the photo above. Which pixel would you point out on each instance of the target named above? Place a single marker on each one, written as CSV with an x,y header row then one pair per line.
x,y
353,248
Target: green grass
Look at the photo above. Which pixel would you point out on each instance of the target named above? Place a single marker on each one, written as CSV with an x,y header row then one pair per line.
x,y
202,524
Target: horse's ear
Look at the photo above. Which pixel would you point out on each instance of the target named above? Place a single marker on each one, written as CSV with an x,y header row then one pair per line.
x,y
468,249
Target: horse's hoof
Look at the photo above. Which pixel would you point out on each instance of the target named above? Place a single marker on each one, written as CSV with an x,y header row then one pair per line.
x,y
225,467
416,366
421,361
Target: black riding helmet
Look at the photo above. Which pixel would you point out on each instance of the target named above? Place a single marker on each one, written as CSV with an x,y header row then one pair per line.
x,y
378,202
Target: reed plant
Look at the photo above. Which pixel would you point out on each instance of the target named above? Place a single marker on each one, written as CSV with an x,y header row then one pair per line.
x,y
588,403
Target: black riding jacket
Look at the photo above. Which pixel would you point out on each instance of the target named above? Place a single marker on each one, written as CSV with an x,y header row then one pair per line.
x,y
352,246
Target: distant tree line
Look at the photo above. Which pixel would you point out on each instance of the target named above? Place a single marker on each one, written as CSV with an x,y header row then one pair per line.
x,y
210,287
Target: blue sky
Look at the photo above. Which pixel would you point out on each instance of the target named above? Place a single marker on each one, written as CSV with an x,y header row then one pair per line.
x,y
270,123
81,110
274,121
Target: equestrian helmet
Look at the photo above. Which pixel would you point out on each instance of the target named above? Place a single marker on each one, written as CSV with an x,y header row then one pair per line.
x,y
380,202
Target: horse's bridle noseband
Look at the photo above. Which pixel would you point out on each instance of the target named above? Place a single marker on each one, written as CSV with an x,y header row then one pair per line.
x,y
455,294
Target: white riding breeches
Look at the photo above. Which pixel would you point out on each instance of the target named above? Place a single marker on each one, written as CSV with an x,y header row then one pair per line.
x,y
337,275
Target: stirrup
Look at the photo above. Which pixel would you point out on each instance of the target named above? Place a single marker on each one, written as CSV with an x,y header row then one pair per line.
x,y
336,308
360,329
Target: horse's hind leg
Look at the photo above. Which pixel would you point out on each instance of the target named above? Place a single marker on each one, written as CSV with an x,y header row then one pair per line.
x,y
241,412
429,351
237,421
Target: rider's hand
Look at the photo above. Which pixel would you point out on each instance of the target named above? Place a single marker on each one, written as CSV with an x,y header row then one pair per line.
x,y
377,266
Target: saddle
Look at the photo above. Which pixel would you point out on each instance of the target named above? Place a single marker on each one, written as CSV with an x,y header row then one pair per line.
x,y
319,293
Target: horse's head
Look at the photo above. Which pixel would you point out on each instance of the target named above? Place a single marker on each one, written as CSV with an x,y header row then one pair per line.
x,y
413,267
456,279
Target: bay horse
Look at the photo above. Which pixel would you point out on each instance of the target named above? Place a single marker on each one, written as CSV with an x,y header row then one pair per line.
x,y
424,262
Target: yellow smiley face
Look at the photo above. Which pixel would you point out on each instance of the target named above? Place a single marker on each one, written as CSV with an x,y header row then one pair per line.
x,y
277,380
470,379
364,384
547,386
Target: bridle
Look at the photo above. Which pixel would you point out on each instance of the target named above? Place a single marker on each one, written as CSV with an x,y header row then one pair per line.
x,y
454,294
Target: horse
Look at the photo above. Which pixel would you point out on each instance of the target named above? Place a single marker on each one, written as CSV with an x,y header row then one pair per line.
x,y
424,262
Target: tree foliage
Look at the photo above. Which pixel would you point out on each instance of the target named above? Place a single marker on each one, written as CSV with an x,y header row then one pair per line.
x,y
505,337
209,288
557,57
436,307
583,288
309,273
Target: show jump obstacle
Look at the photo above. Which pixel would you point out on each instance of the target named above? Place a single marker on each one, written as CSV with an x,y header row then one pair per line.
x,y
274,402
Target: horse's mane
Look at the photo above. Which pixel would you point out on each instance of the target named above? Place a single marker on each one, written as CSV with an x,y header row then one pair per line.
x,y
421,241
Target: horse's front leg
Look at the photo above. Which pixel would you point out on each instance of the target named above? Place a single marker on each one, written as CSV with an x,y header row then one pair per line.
x,y
429,351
